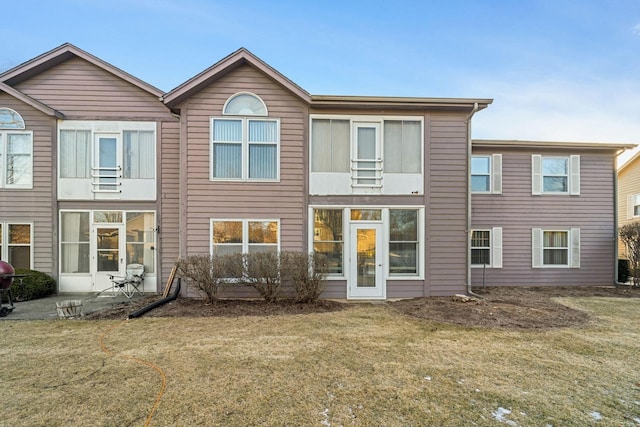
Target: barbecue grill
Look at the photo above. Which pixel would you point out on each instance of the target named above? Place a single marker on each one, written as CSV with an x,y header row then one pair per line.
x,y
7,274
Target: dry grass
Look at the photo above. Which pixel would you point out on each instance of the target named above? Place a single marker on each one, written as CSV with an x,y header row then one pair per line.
x,y
367,365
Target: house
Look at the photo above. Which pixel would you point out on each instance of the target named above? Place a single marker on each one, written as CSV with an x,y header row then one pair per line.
x,y
543,213
82,192
628,196
240,159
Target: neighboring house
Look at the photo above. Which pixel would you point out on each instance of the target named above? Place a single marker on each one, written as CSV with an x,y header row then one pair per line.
x,y
543,213
241,159
82,171
628,196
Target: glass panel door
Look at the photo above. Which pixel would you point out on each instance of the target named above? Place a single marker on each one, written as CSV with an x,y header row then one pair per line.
x,y
367,154
107,169
108,255
366,278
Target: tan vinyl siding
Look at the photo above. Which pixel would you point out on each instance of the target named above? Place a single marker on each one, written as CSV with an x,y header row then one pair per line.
x,y
517,212
284,200
169,198
34,205
446,181
628,185
81,90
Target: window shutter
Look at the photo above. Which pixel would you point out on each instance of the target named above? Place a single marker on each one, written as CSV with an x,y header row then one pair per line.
x,y
496,173
536,247
574,169
496,247
575,248
536,174
630,201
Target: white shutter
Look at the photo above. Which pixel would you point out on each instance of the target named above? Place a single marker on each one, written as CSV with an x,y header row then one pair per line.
x,y
496,173
574,237
536,174
496,247
630,202
536,247
574,179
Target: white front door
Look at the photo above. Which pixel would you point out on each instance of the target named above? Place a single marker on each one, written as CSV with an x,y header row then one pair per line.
x,y
108,257
366,279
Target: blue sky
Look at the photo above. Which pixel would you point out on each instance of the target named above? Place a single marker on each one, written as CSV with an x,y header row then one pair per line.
x,y
557,70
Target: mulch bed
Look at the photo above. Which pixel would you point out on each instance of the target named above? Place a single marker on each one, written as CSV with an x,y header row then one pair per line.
x,y
499,307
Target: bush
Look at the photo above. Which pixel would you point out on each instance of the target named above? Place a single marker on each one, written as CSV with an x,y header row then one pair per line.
x,y
35,285
205,273
630,236
623,271
262,272
307,273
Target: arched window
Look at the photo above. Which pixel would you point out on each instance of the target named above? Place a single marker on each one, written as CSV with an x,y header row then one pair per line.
x,y
9,119
245,104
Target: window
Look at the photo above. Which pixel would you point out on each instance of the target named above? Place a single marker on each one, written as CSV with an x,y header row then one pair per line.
x,y
633,205
486,248
244,236
328,239
486,174
402,146
138,155
16,151
141,234
403,242
15,244
74,242
245,148
366,154
555,174
330,150
75,154
556,248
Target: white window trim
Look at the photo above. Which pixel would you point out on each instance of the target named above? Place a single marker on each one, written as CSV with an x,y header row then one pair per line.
x,y
4,244
245,147
245,231
631,205
495,247
537,249
495,174
353,121
346,246
4,140
108,127
573,175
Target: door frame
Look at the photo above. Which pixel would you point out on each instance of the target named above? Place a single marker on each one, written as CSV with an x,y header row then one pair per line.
x,y
379,291
101,279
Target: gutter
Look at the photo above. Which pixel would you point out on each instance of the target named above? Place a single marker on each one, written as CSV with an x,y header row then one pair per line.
x,y
468,230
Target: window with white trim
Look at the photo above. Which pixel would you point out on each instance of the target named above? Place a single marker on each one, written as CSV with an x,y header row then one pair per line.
x,y
555,174
403,242
16,151
486,248
231,236
16,244
366,154
633,205
328,238
486,174
245,148
556,248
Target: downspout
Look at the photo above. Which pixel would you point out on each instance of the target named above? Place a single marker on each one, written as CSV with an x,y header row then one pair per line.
x,y
615,221
468,230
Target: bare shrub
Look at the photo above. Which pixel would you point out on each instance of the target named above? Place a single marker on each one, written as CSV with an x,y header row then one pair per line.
x,y
630,236
205,273
307,273
262,272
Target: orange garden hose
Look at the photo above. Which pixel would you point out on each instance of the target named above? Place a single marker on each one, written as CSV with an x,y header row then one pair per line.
x,y
140,361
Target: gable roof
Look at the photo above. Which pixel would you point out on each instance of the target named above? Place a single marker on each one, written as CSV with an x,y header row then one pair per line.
x,y
629,162
240,57
61,54
30,101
